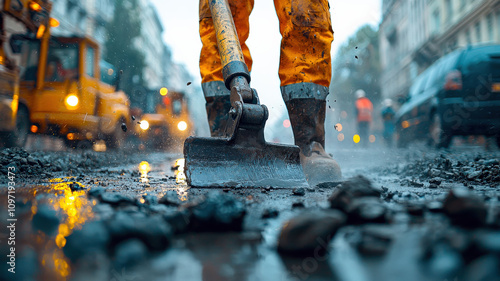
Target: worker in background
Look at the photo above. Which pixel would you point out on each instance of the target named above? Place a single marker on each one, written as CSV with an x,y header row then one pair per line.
x,y
54,72
388,119
364,112
304,71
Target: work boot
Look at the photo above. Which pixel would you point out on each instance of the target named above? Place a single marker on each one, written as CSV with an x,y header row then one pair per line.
x,y
218,114
307,117
217,106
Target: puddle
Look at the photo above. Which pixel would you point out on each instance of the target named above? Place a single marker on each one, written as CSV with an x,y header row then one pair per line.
x,y
57,199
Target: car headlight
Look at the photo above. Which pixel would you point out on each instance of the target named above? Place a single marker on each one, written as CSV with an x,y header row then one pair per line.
x,y
71,101
144,125
182,126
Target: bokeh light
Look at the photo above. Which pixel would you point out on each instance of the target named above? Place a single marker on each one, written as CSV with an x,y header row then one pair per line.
x,y
356,138
286,123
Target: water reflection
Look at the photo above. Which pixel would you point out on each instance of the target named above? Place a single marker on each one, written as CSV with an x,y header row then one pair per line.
x,y
144,169
76,209
180,176
182,193
180,179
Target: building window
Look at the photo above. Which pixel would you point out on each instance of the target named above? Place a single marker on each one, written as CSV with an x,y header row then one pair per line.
x,y
436,21
498,26
449,11
489,23
89,62
467,37
478,32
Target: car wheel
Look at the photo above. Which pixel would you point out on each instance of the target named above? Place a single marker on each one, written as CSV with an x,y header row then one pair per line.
x,y
18,137
438,136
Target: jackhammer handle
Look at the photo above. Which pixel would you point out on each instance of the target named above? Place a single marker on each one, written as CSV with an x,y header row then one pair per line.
x,y
233,62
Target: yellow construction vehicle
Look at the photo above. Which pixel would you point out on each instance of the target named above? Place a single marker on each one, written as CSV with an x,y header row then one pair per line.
x,y
60,87
169,126
32,17
70,92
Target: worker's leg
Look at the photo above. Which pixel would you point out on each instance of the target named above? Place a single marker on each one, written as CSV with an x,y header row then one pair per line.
x,y
216,94
305,73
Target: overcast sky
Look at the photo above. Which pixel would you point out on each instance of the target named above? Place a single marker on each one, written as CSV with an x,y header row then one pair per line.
x,y
180,22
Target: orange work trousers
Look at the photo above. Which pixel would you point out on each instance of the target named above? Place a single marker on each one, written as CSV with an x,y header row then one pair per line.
x,y
307,35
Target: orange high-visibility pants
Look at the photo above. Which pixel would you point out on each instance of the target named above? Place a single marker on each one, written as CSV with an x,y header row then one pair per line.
x,y
307,35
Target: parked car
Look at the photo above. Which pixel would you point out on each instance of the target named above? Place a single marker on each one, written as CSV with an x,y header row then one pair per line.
x,y
457,95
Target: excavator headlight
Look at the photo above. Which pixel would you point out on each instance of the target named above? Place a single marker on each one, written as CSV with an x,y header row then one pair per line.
x,y
144,125
71,101
182,126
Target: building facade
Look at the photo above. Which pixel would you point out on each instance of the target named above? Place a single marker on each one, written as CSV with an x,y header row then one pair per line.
x,y
83,18
152,45
415,33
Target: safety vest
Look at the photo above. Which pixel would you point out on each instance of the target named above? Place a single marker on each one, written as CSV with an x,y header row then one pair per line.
x,y
365,109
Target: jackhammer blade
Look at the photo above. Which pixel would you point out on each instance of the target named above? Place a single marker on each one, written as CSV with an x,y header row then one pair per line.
x,y
217,162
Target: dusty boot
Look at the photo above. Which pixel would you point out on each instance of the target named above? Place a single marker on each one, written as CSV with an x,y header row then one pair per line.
x,y
217,106
308,123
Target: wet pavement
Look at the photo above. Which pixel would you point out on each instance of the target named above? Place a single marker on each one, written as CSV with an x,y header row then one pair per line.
x,y
416,214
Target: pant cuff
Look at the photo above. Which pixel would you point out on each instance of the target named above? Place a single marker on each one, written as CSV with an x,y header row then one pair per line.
x,y
215,89
304,90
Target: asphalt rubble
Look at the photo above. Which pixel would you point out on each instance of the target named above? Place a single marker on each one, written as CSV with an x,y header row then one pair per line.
x,y
462,226
45,165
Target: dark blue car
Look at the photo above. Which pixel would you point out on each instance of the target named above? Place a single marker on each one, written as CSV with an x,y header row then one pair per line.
x,y
457,95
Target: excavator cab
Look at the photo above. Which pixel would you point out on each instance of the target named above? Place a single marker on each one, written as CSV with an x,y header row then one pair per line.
x,y
70,93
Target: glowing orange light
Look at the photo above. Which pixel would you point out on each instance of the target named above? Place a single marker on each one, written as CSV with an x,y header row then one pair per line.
x,y
40,32
53,22
338,127
405,124
356,138
166,101
286,123
372,138
70,136
340,137
35,6
34,129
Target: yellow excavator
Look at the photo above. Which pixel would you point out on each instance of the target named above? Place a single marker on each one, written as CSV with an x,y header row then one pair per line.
x,y
31,16
65,89
169,126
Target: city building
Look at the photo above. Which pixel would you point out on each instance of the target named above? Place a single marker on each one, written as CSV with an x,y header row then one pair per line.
x,y
81,18
415,33
152,45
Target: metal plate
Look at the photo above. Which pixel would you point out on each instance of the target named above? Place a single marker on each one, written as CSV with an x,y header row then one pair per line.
x,y
216,162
